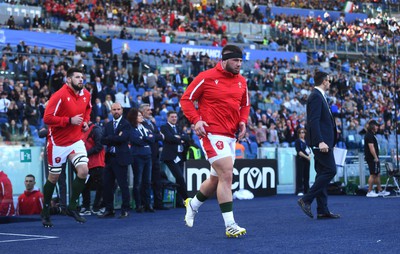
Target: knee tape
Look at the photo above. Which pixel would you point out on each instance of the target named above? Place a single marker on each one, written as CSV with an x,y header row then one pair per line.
x,y
79,159
55,170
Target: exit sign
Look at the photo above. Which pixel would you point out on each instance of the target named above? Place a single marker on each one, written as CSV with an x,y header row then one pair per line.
x,y
25,155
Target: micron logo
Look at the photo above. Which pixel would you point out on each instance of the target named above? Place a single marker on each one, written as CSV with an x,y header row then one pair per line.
x,y
253,176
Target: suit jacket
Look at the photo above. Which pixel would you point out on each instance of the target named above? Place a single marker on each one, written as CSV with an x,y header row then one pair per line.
x,y
157,137
321,126
140,143
171,142
156,101
102,111
120,142
93,75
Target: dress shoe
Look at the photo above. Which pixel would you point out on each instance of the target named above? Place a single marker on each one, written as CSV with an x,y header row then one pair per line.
x,y
139,209
149,209
123,215
107,214
327,216
305,207
161,207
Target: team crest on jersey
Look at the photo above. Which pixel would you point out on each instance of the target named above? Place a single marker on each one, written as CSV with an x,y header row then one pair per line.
x,y
216,81
57,160
219,145
68,98
240,84
84,99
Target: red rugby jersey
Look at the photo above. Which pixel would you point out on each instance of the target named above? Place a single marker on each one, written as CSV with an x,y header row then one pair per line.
x,y
62,105
223,101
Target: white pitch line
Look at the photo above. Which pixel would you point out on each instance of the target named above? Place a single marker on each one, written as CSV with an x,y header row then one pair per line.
x,y
36,237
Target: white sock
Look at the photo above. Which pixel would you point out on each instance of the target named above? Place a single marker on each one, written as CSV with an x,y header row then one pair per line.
x,y
195,203
228,218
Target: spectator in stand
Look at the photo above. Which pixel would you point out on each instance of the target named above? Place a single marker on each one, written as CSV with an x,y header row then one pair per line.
x,y
261,133
6,196
4,103
11,23
25,132
31,112
10,131
240,150
31,201
99,110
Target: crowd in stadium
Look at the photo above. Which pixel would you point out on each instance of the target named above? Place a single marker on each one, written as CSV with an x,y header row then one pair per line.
x,y
361,89
276,86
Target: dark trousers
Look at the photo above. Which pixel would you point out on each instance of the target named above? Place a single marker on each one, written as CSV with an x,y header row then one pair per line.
x,y
112,172
325,167
142,180
177,171
156,181
302,175
95,182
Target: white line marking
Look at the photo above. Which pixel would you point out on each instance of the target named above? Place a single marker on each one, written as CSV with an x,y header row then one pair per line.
x,y
35,237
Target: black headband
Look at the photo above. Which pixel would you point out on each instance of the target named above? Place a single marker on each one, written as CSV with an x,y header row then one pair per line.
x,y
231,55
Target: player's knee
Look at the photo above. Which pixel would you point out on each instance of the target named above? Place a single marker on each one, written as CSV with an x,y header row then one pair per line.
x,y
82,171
225,177
54,174
213,179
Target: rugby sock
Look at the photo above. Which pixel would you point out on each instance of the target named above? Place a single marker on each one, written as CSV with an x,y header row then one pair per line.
x,y
48,190
227,213
197,201
77,187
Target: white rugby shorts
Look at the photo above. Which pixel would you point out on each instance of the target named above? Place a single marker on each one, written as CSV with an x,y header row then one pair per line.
x,y
216,147
57,155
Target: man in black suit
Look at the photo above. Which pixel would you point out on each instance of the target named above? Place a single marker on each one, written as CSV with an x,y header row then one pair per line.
x,y
99,109
172,153
156,171
322,137
118,157
98,89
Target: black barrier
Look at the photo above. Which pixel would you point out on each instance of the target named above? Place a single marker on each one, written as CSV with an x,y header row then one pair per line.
x,y
258,176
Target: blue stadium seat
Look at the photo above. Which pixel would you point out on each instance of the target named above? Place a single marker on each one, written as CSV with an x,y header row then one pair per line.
x,y
163,115
196,140
121,86
131,86
251,151
159,120
140,91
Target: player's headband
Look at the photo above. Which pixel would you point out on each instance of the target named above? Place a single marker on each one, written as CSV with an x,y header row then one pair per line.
x,y
231,55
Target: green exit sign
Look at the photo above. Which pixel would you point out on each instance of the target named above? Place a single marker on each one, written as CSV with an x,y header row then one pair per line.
x,y
25,155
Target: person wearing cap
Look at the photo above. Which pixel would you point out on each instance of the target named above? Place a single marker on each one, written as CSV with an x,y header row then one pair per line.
x,y
371,153
223,110
321,136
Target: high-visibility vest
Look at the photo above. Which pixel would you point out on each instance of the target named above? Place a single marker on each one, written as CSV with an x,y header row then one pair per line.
x,y
196,153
